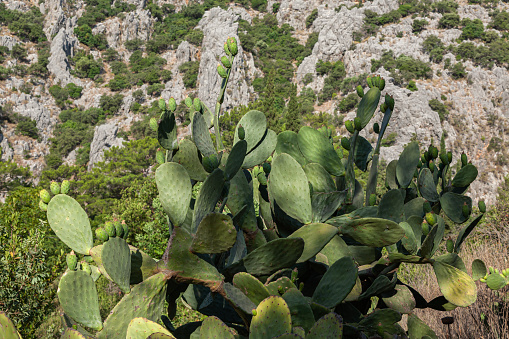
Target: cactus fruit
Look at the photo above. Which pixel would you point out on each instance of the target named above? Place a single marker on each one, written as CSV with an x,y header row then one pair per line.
x,y
45,196
450,246
65,187
381,83
88,259
188,102
266,168
465,210
482,206
449,157
383,107
426,207
349,126
444,159
153,124
232,46
425,228
197,105
119,230
369,80
55,187
126,230
464,159
360,91
221,71
162,105
431,166
376,128
160,157
226,49
431,218
389,100
43,206
226,62
434,152
345,143
210,163
72,261
110,228
85,267
241,132
172,104
372,199
101,234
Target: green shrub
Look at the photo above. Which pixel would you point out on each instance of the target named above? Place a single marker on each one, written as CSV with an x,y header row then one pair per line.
x,y
40,67
19,53
440,108
190,70
348,103
458,71
419,25
85,36
311,17
26,126
445,7
59,94
412,86
472,29
110,55
119,82
87,67
332,83
111,104
26,25
390,140
155,89
500,21
449,20
403,68
133,45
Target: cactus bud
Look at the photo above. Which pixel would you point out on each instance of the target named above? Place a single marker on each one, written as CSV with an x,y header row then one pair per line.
x,y
360,91
85,267
383,107
72,261
188,102
65,187
450,246
465,210
232,46
349,126
369,80
434,152
431,166
444,159
381,83
464,159
153,124
389,100
172,105
45,196
423,158
119,230
241,132
88,259
345,143
43,206
482,206
197,105
266,168
376,128
425,228
210,163
431,218
449,156
221,71
110,228
254,313
126,230
55,187
426,207
492,270
101,234
357,123
226,62
160,157
162,105
226,50
372,199
262,179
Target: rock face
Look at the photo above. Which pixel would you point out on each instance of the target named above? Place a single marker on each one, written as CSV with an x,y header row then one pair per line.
x,y
62,47
105,136
8,41
55,17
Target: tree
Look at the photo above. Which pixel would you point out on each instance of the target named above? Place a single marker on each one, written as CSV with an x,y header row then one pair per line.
x,y
292,119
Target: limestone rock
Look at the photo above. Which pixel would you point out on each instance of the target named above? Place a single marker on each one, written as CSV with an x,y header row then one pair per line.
x,y
105,137
62,47
8,41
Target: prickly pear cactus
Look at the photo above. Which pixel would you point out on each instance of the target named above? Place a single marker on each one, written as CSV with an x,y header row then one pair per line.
x,y
308,262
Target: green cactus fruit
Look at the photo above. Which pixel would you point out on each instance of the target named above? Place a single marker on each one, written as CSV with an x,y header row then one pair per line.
x,y
197,104
262,179
226,62
210,163
110,228
360,91
419,164
266,168
357,123
449,156
383,107
226,49
345,143
101,234
153,124
381,83
188,102
119,230
126,230
431,218
85,267
55,187
172,104
431,166
423,158
221,71
88,259
465,210
464,159
389,100
65,187
43,206
162,105
45,196
482,206
450,246
369,80
349,126
425,228
376,127
434,152
160,157
241,132
232,46
444,159
372,199
426,207
72,261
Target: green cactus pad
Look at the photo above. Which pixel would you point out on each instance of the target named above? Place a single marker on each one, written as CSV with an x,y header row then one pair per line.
x,y
414,208
141,328
237,298
465,176
272,319
362,153
315,237
209,195
456,286
280,286
213,327
478,269
381,284
167,131
288,143
70,333
373,232
390,178
316,147
400,299
289,189
95,272
262,151
255,125
146,300
70,223
78,296
380,321
330,326
428,249
495,281
418,328
96,253
7,328
319,178
201,135
215,234
391,206
325,204
336,283
427,186
289,335
368,105
187,156
174,186
251,287
235,159
464,233
142,266
165,336
302,315
407,164
452,205
116,259
409,241
335,250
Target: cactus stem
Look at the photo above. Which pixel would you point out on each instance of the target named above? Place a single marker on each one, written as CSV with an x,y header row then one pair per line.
x,y
220,98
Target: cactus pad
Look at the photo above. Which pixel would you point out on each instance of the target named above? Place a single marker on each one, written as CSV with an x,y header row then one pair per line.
x,y
187,156
213,327
368,105
452,204
201,135
319,178
269,258
427,186
373,232
215,234
407,163
141,328
142,266
255,125
288,143
235,159
174,186
70,223
302,315
316,147
78,296
465,231
251,287
336,283
116,259
465,176
330,326
262,151
272,319
167,131
70,333
209,195
315,237
391,206
400,299
478,269
7,328
456,286
418,329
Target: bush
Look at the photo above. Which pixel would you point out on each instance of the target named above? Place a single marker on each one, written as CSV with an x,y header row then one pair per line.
x,y
449,20
119,82
155,89
412,86
332,83
458,71
445,7
87,67
348,103
111,104
133,45
85,36
190,70
440,108
26,127
110,55
27,26
500,21
473,29
403,68
59,94
311,18
419,25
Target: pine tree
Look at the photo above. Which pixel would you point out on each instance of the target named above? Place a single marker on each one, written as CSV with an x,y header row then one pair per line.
x,y
292,117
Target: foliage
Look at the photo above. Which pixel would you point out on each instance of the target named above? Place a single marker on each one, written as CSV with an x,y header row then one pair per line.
x,y
336,73
292,117
311,17
500,21
348,103
86,66
111,103
472,29
434,47
458,71
12,176
449,20
403,68
61,95
419,25
25,126
190,70
85,36
444,7
440,108
27,26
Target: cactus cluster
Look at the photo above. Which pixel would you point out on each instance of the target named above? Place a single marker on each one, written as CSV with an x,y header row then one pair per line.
x,y
318,259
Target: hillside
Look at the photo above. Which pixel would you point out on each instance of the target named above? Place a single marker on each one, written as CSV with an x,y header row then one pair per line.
x,y
79,77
